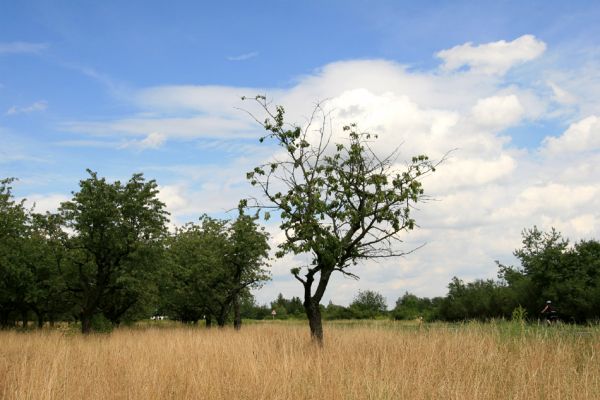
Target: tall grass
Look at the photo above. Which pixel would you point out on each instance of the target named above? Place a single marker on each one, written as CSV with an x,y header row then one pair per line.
x,y
278,361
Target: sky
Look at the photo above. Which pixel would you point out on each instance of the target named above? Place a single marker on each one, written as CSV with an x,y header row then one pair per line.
x,y
509,88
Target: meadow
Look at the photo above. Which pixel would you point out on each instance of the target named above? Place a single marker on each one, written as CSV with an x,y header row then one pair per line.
x,y
276,360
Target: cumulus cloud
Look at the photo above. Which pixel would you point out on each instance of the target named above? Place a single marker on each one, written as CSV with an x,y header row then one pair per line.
x,y
581,136
498,112
492,58
482,196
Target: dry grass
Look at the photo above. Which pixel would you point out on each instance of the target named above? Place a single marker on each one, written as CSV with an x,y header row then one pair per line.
x,y
275,361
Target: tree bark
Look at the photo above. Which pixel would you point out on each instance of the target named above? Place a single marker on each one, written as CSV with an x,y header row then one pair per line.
x,y
313,312
237,316
311,302
25,319
86,323
208,321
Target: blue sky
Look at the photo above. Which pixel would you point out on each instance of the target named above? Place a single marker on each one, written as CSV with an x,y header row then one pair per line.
x,y
153,87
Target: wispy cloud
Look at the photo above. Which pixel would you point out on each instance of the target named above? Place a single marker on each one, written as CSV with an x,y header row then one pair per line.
x,y
37,106
243,57
153,141
22,48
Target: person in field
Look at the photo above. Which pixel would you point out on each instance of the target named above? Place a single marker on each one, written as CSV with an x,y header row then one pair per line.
x,y
550,313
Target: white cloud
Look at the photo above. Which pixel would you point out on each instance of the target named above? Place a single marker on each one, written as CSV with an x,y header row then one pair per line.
x,y
561,95
22,48
42,203
581,136
498,112
492,58
41,105
484,194
180,127
154,140
243,57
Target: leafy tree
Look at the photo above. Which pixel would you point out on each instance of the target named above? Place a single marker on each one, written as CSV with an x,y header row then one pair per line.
x,y
114,251
339,204
212,265
568,276
368,304
15,278
192,288
251,310
288,307
44,258
410,306
246,260
334,311
480,299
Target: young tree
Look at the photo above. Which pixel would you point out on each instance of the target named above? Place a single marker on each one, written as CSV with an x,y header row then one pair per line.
x,y
117,232
339,204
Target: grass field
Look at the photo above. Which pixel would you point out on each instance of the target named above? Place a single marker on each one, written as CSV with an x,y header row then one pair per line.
x,y
381,360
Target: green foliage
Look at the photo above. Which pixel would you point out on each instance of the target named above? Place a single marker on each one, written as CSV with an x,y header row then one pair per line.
x,y
334,312
15,278
339,204
519,314
550,269
101,324
212,264
288,308
569,276
116,247
368,304
409,307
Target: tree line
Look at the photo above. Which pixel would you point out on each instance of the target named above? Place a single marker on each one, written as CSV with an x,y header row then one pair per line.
x,y
551,270
106,257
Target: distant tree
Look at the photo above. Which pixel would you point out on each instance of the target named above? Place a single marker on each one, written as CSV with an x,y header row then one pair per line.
x,y
287,307
339,204
368,304
567,275
114,250
410,306
334,311
480,299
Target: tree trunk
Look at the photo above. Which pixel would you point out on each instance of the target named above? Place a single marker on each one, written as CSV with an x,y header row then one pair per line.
x,y
237,316
40,321
313,312
86,324
25,319
208,321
